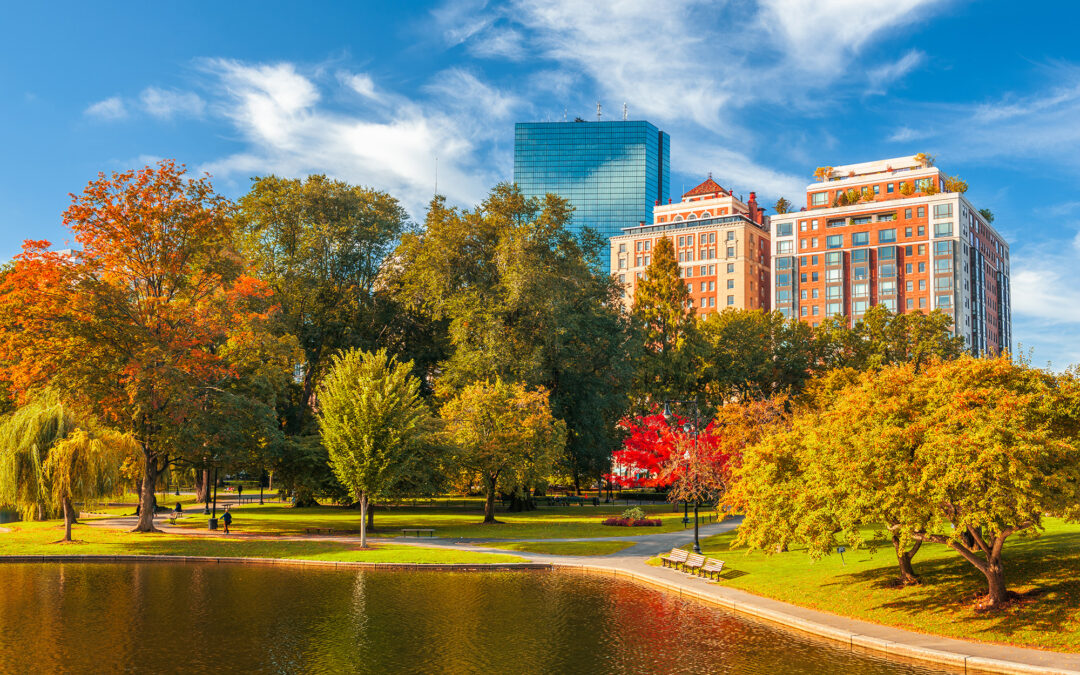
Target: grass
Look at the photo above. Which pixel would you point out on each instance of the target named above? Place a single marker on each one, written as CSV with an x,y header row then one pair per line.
x,y
1044,569
567,522
564,547
41,538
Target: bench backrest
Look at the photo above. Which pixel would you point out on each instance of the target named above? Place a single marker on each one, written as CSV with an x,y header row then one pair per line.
x,y
714,565
678,554
695,560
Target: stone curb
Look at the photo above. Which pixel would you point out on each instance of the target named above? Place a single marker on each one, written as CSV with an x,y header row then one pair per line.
x,y
459,567
959,662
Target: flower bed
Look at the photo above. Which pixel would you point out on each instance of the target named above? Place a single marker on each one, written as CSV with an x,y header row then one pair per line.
x,y
631,522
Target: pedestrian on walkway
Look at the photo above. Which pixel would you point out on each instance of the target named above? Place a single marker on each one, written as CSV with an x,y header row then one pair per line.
x,y
239,493
226,518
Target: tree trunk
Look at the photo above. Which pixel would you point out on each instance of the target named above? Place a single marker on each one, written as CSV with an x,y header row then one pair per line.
x,y
371,516
146,497
363,520
202,485
995,578
69,518
907,572
489,500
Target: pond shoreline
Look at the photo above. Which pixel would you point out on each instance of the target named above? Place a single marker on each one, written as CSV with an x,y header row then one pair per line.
x,y
898,649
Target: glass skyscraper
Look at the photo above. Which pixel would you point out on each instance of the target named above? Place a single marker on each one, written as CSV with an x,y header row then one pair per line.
x,y
611,172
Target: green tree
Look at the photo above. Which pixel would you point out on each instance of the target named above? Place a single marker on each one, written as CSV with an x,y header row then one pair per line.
x,y
882,338
503,433
754,353
783,205
54,456
373,423
526,300
987,214
319,244
667,323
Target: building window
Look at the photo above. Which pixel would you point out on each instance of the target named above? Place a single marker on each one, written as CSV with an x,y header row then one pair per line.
x,y
834,292
942,247
907,250
802,311
886,217
943,283
781,247
834,241
859,306
818,198
802,226
944,301
813,224
706,214
833,308
922,303
922,284
943,265
731,282
648,246
730,267
731,251
712,237
815,293
834,258
860,239
887,253
907,269
783,229
622,248
877,189
943,229
833,276
886,236
814,310
861,220
907,215
889,187
731,235
922,212
910,286
887,288
910,303
942,210
802,243
731,299
860,289
622,263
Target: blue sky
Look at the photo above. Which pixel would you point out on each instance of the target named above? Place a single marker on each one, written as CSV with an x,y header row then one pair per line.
x,y
758,93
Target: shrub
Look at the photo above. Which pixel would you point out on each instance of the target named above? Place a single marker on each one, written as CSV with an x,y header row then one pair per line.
x,y
635,513
627,522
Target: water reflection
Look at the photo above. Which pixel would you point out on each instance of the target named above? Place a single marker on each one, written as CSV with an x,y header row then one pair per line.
x,y
166,618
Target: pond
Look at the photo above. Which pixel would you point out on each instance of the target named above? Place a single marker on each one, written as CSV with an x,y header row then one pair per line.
x,y
188,618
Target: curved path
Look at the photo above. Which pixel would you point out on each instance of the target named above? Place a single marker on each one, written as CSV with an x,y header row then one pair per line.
x,y
956,655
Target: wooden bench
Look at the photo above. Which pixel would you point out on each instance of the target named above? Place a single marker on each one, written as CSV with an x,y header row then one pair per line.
x,y
694,563
676,557
417,530
712,567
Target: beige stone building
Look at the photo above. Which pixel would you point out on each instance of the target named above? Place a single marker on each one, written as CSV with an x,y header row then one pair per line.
x,y
722,245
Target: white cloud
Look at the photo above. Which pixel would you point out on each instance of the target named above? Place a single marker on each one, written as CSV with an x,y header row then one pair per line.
x,y
821,35
361,83
112,108
905,134
287,127
168,103
884,75
1045,301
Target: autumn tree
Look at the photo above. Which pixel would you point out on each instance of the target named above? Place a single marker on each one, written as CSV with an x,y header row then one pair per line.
x,y
129,328
374,424
525,299
783,205
52,457
503,433
964,453
664,315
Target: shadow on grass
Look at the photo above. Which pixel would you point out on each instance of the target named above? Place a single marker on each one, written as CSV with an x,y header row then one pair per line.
x,y
1042,571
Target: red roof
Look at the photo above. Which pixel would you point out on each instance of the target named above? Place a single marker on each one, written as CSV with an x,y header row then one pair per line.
x,y
707,188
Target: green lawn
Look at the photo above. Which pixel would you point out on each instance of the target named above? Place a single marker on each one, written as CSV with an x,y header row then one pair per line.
x,y
564,547
544,523
41,538
1046,568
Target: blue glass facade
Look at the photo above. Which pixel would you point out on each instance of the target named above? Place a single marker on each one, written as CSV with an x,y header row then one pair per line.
x,y
611,172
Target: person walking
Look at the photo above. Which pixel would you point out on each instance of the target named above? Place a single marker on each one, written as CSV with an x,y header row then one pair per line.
x,y
226,518
239,493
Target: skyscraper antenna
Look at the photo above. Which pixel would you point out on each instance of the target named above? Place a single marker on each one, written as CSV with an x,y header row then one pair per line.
x,y
598,111
624,111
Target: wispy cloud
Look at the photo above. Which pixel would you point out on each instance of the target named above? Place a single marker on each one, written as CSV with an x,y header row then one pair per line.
x,y
885,75
112,108
1046,302
168,103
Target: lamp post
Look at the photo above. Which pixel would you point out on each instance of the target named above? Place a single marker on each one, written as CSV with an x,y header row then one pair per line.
x,y
691,429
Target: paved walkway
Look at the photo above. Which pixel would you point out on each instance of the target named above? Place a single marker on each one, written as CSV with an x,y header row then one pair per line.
x,y
957,655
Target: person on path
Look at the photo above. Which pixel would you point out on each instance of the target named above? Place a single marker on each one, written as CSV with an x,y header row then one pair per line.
x,y
226,518
239,493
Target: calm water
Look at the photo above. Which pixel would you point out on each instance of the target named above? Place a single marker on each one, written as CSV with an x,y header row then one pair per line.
x,y
175,618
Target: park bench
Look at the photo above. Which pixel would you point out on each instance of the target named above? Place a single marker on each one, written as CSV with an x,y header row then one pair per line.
x,y
676,557
174,516
694,563
329,531
712,567
417,530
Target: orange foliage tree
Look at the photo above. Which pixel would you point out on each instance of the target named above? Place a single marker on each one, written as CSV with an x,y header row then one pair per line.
x,y
130,326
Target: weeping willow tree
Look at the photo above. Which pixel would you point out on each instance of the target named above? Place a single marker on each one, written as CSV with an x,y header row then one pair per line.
x,y
52,456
